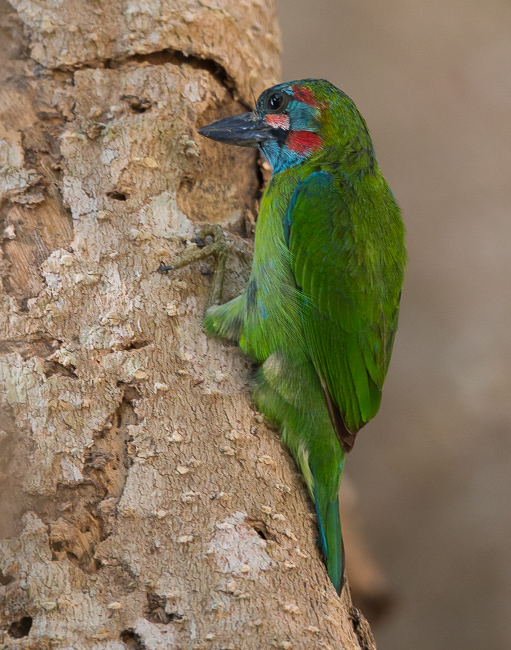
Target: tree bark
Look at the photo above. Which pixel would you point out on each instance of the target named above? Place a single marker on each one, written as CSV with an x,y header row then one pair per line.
x,y
145,503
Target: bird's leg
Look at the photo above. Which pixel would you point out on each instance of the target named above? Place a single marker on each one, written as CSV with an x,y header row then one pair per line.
x,y
217,249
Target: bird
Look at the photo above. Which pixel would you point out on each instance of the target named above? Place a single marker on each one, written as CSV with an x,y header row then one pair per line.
x,y
319,314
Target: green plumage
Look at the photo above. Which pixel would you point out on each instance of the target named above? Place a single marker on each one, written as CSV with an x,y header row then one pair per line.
x,y
320,311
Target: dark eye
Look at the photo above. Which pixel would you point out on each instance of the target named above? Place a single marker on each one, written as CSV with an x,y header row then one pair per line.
x,y
277,102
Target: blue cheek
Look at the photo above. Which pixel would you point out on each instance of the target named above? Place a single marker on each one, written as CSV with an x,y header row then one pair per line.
x,y
303,116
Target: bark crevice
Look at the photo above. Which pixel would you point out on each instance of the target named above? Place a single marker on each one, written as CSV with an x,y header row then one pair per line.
x,y
156,57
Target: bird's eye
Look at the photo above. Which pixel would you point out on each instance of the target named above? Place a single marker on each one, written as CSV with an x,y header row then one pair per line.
x,y
276,102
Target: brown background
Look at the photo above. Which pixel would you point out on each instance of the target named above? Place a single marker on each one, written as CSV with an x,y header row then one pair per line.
x,y
432,472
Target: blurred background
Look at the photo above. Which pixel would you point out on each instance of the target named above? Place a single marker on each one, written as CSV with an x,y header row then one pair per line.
x,y
432,473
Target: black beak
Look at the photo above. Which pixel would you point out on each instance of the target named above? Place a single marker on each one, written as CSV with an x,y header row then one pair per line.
x,y
245,130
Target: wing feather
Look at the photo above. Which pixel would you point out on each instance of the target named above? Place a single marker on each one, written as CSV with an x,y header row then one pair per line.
x,y
349,318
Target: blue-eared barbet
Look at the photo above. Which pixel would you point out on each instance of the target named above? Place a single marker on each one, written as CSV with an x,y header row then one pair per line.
x,y
320,312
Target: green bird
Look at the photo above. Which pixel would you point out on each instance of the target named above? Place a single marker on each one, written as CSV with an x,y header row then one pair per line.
x,y
320,312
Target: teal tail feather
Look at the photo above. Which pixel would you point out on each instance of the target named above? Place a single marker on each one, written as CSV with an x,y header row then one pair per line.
x,y
330,535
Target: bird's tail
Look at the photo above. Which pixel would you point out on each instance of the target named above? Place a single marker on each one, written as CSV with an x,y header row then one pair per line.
x,y
291,396
330,535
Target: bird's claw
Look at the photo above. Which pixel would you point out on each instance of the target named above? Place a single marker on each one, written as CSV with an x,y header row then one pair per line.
x,y
163,268
210,242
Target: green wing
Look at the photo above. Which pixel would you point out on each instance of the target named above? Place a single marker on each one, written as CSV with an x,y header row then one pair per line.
x,y
349,310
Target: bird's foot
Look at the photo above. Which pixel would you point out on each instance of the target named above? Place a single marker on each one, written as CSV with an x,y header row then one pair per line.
x,y
210,242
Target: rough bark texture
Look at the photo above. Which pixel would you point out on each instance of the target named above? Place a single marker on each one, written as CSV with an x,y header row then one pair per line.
x,y
145,504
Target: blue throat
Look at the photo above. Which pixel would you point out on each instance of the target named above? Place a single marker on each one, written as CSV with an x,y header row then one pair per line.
x,y
279,156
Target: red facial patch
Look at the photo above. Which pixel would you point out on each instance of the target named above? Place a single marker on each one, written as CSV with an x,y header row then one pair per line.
x,y
302,94
303,142
278,121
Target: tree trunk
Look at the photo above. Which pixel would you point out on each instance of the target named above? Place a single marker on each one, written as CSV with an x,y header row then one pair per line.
x,y
145,503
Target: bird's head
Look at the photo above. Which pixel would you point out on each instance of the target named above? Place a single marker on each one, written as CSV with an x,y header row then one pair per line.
x,y
292,122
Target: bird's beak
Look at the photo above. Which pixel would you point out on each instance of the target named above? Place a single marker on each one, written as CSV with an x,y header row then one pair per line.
x,y
245,130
